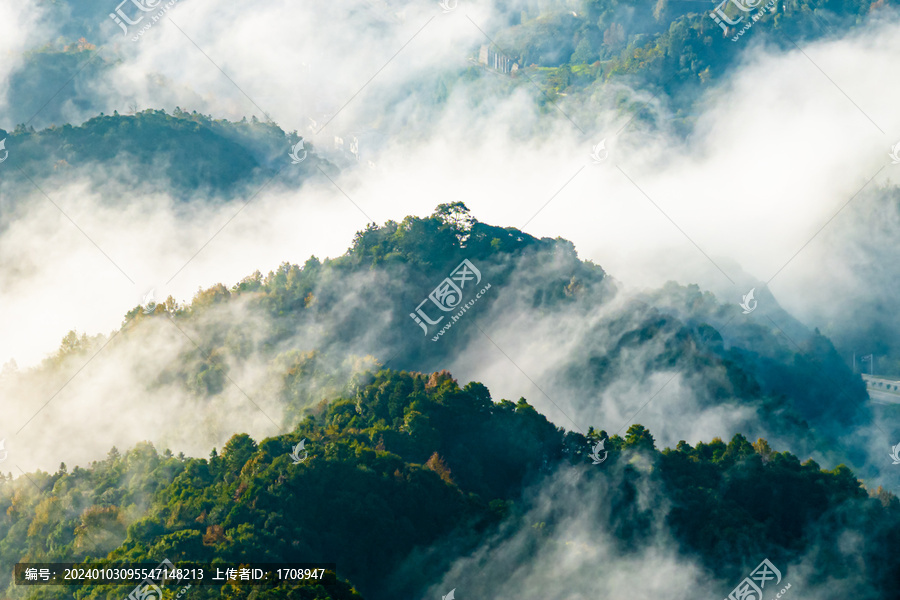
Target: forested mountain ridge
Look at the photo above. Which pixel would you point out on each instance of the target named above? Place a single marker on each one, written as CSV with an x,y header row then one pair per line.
x,y
191,156
300,334
673,47
570,49
544,279
411,463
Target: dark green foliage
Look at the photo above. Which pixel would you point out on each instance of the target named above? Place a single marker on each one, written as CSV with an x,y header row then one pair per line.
x,y
413,461
673,48
188,155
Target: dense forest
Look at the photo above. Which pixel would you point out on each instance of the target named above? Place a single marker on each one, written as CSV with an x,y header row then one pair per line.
x,y
192,156
672,44
412,461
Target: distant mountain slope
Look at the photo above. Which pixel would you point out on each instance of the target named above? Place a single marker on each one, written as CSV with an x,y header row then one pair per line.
x,y
673,47
668,47
191,156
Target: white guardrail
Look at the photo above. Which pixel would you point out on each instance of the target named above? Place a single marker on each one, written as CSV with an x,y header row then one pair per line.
x,y
882,389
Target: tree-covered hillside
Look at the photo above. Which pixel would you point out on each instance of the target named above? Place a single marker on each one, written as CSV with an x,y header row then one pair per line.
x,y
309,329
672,47
411,462
572,50
191,156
